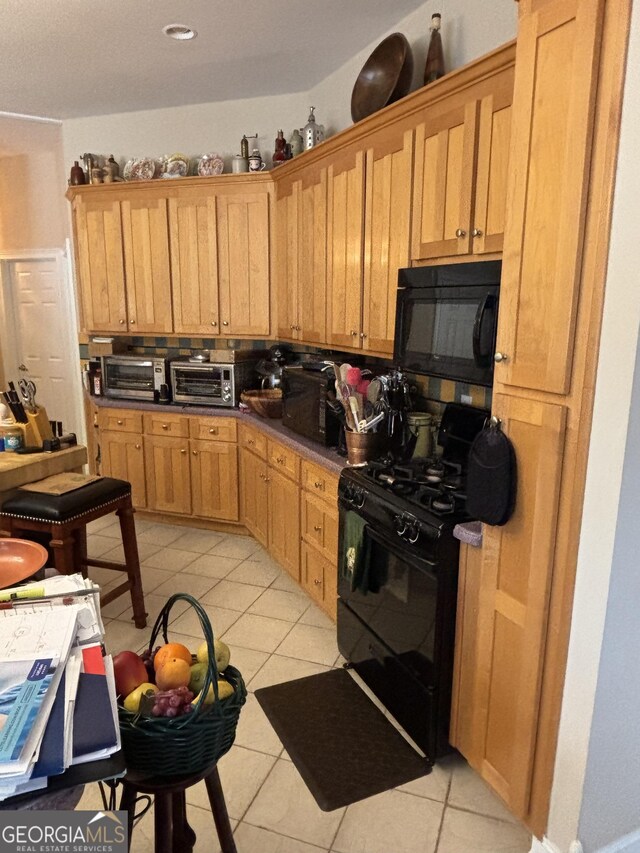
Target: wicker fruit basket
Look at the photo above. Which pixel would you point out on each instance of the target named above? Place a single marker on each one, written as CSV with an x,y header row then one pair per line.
x,y
162,746
266,403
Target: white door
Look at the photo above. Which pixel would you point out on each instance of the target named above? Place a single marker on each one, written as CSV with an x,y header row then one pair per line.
x,y
39,341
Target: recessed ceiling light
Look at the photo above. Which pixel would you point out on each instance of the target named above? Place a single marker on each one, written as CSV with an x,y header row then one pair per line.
x,y
179,32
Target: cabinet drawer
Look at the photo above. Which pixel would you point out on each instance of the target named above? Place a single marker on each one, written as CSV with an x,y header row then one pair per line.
x,y
120,420
319,481
166,424
320,525
283,459
214,429
253,440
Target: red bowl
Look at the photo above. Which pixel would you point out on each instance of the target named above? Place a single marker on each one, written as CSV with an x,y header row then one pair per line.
x,y
19,559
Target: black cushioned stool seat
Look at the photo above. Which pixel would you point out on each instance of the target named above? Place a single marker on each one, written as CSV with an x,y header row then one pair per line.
x,y
65,518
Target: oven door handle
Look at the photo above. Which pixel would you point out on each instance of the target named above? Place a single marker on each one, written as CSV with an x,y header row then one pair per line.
x,y
398,543
482,359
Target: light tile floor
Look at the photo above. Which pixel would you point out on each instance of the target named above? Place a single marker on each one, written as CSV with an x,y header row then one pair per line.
x,y
276,634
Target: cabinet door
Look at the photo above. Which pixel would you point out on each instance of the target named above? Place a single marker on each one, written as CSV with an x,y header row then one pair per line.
x,y
319,577
387,235
122,457
319,525
243,263
101,265
513,596
312,265
494,135
284,522
345,248
214,479
558,44
194,264
168,474
443,186
146,258
253,495
287,252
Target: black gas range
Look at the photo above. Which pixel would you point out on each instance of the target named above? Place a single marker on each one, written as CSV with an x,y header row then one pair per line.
x,y
397,577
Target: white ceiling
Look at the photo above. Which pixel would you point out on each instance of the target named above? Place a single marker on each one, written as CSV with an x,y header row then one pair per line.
x,y
68,58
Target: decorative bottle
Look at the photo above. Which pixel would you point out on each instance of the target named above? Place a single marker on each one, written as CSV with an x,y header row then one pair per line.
x,y
434,67
280,154
77,175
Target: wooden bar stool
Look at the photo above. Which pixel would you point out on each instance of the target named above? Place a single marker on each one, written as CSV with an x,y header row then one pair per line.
x,y
65,518
171,830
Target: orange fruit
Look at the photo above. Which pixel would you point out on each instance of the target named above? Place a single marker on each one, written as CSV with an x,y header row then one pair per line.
x,y
173,673
171,650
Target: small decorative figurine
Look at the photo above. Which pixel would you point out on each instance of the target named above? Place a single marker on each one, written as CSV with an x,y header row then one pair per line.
x,y
312,132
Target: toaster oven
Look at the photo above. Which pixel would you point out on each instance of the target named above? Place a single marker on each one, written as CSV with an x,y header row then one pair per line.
x,y
133,377
211,384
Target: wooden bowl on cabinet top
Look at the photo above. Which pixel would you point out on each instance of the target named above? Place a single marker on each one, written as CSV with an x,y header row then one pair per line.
x,y
385,77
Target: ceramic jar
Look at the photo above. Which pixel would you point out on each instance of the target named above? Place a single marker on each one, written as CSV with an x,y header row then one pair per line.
x,y
255,161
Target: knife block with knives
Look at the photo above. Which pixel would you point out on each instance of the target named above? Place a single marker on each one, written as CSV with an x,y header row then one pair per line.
x,y
37,429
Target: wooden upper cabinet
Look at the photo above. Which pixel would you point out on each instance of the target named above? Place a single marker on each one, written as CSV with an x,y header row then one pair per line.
x,y
557,53
387,233
513,596
145,236
443,186
492,171
287,251
244,262
345,242
312,263
194,264
100,257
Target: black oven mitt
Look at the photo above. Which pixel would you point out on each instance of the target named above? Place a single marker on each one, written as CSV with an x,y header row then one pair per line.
x,y
491,477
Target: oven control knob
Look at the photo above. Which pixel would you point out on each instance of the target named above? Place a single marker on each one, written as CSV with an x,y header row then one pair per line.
x,y
412,533
226,395
400,524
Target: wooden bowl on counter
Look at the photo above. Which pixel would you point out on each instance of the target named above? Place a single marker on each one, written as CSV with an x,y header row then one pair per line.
x,y
266,403
19,559
385,77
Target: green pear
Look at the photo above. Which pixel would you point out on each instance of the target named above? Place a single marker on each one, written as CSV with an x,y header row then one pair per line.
x,y
222,653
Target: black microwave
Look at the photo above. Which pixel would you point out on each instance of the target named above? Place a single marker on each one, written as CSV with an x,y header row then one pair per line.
x,y
446,320
304,404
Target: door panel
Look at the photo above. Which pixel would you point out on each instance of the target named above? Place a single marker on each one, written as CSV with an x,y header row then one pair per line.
x,y
100,257
243,259
254,495
284,522
168,474
122,457
557,50
443,186
517,568
345,249
312,295
145,235
194,265
387,236
214,479
287,253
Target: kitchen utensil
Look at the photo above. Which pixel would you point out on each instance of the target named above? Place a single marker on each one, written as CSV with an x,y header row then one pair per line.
x,y
344,369
373,391
19,559
354,375
385,77
368,425
353,405
28,391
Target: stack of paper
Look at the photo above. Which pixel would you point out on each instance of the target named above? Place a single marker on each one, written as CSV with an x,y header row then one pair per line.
x,y
57,691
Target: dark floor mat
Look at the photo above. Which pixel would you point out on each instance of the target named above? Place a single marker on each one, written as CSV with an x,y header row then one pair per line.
x,y
343,746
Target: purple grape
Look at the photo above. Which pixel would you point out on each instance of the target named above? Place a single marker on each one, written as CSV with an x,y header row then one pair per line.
x,y
188,696
156,711
171,712
175,701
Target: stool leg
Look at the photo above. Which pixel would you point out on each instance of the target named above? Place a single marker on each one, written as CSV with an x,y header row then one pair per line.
x,y
130,546
220,814
163,822
80,551
63,549
184,838
128,805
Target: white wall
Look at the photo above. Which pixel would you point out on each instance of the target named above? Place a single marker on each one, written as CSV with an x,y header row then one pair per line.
x,y
201,128
596,794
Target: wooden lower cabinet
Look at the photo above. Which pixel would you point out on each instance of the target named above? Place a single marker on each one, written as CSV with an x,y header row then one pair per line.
x,y
122,457
319,578
168,474
319,525
284,521
214,480
254,497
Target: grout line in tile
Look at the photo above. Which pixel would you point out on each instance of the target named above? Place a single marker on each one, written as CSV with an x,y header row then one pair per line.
x,y
341,821
276,759
467,810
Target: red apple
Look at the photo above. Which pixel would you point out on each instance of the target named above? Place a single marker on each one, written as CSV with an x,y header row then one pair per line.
x,y
130,672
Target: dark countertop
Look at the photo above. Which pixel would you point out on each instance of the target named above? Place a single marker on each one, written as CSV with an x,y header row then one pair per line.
x,y
311,450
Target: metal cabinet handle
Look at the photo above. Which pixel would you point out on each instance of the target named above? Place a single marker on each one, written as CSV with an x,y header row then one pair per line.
x,y
195,452
477,232
319,484
182,450
460,232
165,426
122,322
292,326
225,322
251,441
363,335
354,334
138,446
317,527
317,582
500,356
280,460
298,328
119,423
132,321
214,322
214,430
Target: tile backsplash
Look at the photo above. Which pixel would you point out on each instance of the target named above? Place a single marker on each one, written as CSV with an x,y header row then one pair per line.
x,y
431,391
